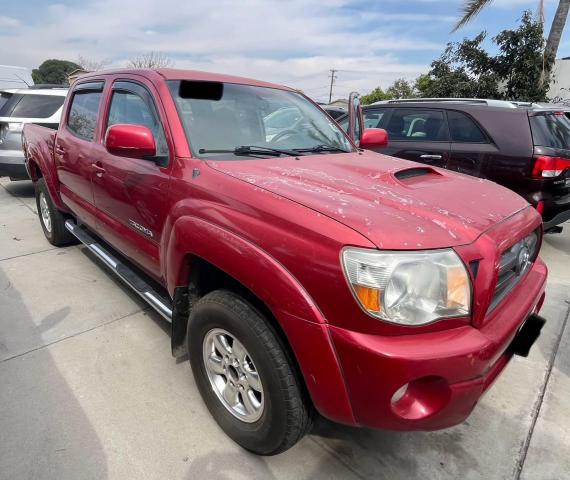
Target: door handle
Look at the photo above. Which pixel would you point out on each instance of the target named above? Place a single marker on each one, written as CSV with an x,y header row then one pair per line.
x,y
431,157
99,170
59,150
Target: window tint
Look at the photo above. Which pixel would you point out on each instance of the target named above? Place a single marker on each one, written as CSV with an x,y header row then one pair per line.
x,y
551,130
4,97
417,125
83,113
37,106
373,118
463,129
130,108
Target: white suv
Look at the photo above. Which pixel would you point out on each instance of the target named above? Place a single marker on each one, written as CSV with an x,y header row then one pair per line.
x,y
18,107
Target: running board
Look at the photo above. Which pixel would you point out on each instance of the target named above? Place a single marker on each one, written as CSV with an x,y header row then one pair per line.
x,y
126,274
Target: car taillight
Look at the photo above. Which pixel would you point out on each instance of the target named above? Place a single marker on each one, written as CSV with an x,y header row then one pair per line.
x,y
548,167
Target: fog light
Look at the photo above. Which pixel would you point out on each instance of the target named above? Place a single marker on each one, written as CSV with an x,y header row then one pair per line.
x,y
398,394
421,398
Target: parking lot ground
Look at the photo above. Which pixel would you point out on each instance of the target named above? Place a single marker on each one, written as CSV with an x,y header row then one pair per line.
x,y
88,388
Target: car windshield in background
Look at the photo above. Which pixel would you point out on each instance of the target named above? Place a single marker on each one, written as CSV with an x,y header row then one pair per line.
x,y
551,130
219,118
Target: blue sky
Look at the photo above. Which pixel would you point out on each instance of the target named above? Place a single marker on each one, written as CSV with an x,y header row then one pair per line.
x,y
294,42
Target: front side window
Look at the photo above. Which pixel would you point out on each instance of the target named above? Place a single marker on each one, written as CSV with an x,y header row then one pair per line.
x,y
130,108
417,125
225,116
464,130
37,106
82,118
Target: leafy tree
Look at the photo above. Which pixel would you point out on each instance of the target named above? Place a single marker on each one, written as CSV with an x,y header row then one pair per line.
x,y
375,95
517,72
471,8
151,60
54,71
401,88
520,62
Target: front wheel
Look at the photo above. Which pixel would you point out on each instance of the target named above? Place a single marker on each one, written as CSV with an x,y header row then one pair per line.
x,y
245,375
51,219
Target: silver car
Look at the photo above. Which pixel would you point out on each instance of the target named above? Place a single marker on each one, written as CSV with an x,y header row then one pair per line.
x,y
18,107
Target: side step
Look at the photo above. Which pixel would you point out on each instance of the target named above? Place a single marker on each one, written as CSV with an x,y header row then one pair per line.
x,y
126,274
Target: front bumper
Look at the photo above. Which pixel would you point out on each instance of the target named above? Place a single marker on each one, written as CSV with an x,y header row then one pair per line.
x,y
447,372
12,165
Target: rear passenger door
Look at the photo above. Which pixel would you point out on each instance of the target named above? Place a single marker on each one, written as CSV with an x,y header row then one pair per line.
x,y
417,134
471,148
73,149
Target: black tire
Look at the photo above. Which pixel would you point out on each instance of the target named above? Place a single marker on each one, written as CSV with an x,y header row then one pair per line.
x,y
55,232
287,412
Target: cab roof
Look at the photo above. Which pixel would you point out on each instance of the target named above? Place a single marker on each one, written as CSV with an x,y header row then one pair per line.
x,y
178,74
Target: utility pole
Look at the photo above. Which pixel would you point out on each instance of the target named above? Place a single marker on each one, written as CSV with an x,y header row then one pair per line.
x,y
333,78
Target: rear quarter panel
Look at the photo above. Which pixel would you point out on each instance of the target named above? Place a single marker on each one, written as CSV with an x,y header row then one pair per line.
x,y
38,144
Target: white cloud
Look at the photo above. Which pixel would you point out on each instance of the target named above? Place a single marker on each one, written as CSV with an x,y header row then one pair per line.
x,y
294,42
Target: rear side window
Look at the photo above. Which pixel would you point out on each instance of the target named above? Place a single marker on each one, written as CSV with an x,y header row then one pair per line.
x,y
4,97
551,130
82,117
417,125
37,106
464,130
373,118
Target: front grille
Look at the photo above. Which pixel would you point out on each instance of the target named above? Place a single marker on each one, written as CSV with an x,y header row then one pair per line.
x,y
515,263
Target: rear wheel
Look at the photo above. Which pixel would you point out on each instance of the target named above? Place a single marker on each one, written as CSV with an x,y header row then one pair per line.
x,y
245,375
51,219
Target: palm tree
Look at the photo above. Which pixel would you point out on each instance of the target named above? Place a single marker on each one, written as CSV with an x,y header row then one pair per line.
x,y
471,8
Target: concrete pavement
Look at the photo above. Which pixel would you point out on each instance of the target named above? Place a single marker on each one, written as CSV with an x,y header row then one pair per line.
x,y
88,388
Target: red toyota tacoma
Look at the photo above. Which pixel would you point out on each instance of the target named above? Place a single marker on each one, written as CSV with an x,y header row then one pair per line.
x,y
299,272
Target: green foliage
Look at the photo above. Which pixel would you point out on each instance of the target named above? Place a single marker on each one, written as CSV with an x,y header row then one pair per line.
x,y
401,88
375,95
516,72
54,71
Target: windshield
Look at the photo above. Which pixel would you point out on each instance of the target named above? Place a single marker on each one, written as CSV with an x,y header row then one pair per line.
x,y
227,116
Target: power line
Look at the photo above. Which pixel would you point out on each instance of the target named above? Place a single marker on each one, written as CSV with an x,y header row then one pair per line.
x,y
333,78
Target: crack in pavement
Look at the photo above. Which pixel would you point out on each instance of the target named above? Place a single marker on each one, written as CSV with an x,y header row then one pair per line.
x,y
536,410
74,335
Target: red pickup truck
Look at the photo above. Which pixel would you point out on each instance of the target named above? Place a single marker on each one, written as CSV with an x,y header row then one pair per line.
x,y
300,273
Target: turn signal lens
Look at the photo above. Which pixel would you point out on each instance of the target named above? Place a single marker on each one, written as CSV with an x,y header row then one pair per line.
x,y
369,297
457,287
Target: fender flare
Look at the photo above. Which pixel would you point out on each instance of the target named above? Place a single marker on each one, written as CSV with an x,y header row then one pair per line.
x,y
299,318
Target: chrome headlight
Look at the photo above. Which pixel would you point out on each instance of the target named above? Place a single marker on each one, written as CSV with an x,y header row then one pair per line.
x,y
410,288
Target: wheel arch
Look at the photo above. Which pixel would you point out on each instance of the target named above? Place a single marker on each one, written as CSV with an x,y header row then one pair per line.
x,y
202,257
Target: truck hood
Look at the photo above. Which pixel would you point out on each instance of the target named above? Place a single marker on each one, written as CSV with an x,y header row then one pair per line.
x,y
395,203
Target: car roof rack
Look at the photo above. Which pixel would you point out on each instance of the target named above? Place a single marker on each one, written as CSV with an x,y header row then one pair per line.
x,y
474,101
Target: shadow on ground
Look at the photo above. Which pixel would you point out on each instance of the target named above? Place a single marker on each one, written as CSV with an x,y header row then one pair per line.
x,y
44,432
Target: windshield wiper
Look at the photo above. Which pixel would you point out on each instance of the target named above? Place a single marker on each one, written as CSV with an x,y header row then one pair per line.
x,y
322,148
253,150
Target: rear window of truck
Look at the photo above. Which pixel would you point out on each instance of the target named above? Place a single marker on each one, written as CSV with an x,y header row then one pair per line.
x,y
551,130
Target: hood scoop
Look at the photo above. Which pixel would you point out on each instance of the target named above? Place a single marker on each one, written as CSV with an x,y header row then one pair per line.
x,y
415,175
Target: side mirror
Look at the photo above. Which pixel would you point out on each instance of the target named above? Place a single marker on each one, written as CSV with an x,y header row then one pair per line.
x,y
374,138
133,141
